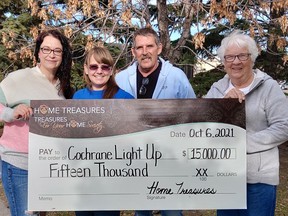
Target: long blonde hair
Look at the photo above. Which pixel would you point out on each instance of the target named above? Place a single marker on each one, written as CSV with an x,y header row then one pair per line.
x,y
102,56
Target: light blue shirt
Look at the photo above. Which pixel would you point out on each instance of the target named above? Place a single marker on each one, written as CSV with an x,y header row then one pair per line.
x,y
172,82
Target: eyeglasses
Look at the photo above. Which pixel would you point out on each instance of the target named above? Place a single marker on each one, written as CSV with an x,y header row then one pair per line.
x,y
47,50
104,68
143,89
241,57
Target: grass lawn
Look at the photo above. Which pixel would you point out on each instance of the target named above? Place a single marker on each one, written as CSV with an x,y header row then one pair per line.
x,y
282,196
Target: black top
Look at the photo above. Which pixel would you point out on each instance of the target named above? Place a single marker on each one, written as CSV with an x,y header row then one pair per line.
x,y
146,85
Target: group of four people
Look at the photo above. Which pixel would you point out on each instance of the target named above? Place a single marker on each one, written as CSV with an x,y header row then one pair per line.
x,y
149,76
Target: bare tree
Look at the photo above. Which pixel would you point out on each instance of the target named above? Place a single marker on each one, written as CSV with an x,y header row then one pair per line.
x,y
88,22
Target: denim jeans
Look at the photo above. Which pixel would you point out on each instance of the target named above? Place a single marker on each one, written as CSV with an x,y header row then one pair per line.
x,y
15,184
163,213
0,167
97,213
261,201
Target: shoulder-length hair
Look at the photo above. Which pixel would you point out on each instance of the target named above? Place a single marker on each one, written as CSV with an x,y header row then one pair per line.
x,y
102,56
64,71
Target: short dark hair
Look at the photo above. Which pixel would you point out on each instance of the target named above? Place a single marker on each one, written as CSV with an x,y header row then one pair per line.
x,y
145,32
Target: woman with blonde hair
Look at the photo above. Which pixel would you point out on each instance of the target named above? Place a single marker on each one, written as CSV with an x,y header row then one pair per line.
x,y
99,76
100,84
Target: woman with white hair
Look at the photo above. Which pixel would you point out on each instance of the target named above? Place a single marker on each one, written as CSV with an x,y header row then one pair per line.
x,y
266,120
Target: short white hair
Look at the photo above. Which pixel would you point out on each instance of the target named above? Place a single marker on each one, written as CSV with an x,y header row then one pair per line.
x,y
241,40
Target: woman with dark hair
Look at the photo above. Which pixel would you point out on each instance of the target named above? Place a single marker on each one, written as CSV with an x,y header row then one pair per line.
x,y
63,71
49,80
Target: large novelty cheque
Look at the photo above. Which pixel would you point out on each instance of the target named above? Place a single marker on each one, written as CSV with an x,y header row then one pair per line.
x,y
137,154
